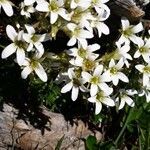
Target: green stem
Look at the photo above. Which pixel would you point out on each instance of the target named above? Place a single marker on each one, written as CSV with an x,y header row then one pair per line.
x,y
124,127
2,46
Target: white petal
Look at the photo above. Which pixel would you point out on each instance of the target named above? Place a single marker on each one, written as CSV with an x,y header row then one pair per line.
x,y
20,56
98,70
104,28
11,32
25,72
53,17
30,29
83,42
137,54
125,23
86,76
137,28
122,103
93,47
140,67
135,39
123,77
93,89
63,14
108,102
92,99
39,70
129,101
7,8
67,87
75,92
73,4
111,63
27,37
115,80
120,64
43,7
9,50
146,80
29,2
98,108
85,34
107,90
71,42
30,47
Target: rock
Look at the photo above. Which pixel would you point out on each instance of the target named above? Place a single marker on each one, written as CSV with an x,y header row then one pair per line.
x,y
18,133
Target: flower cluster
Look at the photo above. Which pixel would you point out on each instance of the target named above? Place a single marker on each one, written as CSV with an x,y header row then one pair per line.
x,y
106,79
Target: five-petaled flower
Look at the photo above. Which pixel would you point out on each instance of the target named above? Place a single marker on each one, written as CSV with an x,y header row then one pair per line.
x,y
19,46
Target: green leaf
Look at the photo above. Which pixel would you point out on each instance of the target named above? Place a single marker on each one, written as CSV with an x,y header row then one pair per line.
x,y
58,146
91,143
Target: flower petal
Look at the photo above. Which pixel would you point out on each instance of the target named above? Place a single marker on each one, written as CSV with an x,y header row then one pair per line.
x,y
98,108
75,92
108,101
11,32
25,72
93,89
39,70
7,8
9,50
67,87
20,56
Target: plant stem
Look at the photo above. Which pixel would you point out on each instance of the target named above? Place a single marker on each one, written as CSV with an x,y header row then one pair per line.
x,y
124,127
2,46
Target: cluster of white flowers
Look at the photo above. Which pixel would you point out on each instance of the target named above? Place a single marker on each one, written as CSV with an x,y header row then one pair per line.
x,y
104,79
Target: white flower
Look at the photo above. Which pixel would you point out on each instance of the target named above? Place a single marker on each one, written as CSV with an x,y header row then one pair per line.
x,y
26,10
17,46
124,98
81,53
100,98
146,73
34,40
55,8
79,34
144,50
97,80
33,65
80,3
74,84
146,93
7,6
101,7
129,31
100,26
114,73
122,52
29,2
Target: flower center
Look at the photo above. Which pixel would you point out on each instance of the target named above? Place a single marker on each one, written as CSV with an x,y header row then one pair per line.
x,y
82,52
34,64
34,38
147,69
95,80
76,82
113,70
76,31
53,6
88,64
95,1
143,49
127,32
100,96
20,44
